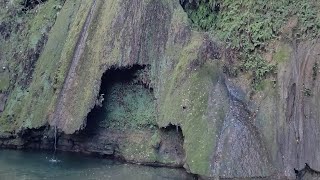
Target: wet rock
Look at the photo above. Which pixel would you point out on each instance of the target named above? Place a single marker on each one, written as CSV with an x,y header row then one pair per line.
x,y
235,92
210,50
307,173
220,135
65,143
102,148
3,100
239,145
189,4
105,142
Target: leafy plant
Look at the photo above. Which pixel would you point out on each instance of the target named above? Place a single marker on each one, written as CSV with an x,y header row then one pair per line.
x,y
204,17
315,70
307,92
248,25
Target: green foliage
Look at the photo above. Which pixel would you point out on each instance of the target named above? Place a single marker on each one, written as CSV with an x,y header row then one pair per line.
x,y
204,17
308,13
129,106
4,81
282,54
184,101
307,92
29,75
155,140
248,25
258,66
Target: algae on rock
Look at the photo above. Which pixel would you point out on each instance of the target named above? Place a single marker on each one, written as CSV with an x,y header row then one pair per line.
x,y
190,90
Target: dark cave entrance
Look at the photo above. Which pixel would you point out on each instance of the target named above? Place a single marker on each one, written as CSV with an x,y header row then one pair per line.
x,y
114,108
31,4
174,131
171,127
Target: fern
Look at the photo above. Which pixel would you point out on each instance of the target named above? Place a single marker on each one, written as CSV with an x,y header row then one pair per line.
x,y
248,25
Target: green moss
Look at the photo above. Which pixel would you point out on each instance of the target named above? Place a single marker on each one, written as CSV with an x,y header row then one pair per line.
x,y
51,61
247,26
193,95
129,106
39,24
141,147
198,143
282,54
77,13
155,139
12,111
139,152
185,102
88,69
4,81
31,107
265,85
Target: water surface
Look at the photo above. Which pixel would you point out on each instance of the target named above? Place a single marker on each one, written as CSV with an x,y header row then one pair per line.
x,y
22,165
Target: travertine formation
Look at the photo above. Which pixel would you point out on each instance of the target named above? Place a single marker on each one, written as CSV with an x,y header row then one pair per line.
x,y
227,131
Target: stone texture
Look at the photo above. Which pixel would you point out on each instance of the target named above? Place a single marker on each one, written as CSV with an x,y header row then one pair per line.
x,y
3,100
227,132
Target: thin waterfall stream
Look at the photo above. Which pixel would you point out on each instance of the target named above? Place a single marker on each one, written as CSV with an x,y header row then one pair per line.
x,y
54,158
70,76
59,120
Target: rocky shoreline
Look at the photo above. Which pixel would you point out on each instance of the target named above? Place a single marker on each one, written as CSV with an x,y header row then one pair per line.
x,y
166,150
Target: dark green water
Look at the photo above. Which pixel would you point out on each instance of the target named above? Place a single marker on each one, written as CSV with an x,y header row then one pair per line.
x,y
21,165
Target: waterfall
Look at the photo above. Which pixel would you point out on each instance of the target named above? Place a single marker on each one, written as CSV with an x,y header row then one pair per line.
x,y
55,141
69,79
54,158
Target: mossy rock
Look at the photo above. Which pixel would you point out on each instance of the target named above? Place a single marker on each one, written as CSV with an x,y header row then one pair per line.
x,y
282,53
4,81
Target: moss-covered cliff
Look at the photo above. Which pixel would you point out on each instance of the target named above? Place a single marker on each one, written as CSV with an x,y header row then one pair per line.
x,y
239,82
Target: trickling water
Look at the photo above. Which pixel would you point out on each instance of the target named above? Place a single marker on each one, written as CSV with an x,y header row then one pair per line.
x,y
54,158
69,80
55,140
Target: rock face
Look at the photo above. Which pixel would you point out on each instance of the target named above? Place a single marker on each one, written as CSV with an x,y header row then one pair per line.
x,y
288,114
163,147
225,130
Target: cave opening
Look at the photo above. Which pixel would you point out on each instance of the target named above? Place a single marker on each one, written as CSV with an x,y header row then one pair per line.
x,y
172,127
172,142
31,4
125,100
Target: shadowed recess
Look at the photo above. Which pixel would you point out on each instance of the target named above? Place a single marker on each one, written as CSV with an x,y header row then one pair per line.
x,y
125,100
30,4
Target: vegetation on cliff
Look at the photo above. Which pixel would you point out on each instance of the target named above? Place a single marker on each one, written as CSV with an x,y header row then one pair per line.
x,y
248,26
185,65
24,30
